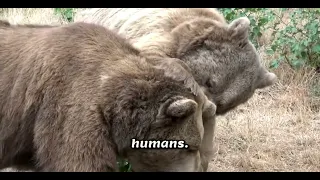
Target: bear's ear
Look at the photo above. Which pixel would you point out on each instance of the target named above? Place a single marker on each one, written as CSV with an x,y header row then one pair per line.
x,y
239,29
175,108
181,108
177,70
266,79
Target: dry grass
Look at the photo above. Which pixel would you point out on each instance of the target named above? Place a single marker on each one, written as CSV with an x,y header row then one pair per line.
x,y
31,15
278,129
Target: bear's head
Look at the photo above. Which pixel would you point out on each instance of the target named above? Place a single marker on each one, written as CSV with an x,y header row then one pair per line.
x,y
222,60
156,117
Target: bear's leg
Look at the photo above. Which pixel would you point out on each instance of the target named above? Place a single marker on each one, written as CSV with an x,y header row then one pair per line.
x,y
207,144
72,139
209,123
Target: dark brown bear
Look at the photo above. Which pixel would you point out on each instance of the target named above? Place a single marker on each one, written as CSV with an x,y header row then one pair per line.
x,y
73,97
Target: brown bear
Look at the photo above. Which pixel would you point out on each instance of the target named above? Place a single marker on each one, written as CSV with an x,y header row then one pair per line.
x,y
74,97
221,57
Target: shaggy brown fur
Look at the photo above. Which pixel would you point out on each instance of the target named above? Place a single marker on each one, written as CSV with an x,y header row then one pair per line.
x,y
220,56
73,97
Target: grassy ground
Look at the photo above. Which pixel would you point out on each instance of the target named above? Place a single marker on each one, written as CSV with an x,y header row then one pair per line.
x,y
276,130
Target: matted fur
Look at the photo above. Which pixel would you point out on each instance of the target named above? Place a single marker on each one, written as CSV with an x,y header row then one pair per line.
x,y
72,97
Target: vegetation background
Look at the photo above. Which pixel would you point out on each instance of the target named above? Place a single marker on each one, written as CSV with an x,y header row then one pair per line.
x,y
278,129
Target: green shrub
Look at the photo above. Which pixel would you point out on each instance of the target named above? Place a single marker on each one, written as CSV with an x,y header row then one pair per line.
x,y
297,44
66,13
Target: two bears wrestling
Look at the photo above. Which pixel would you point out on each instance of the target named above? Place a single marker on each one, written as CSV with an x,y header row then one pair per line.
x,y
72,97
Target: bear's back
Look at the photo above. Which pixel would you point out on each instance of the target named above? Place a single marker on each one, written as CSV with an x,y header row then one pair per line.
x,y
134,23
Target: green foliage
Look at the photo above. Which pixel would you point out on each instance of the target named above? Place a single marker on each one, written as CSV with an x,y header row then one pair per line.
x,y
297,42
66,13
259,18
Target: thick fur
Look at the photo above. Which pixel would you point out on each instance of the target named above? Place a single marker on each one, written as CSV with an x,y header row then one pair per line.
x,y
72,98
221,57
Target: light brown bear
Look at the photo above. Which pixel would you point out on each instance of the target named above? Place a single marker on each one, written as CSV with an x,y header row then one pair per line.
x,y
73,97
221,57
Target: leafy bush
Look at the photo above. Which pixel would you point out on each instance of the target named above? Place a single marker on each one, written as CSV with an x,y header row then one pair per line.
x,y
297,44
66,13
